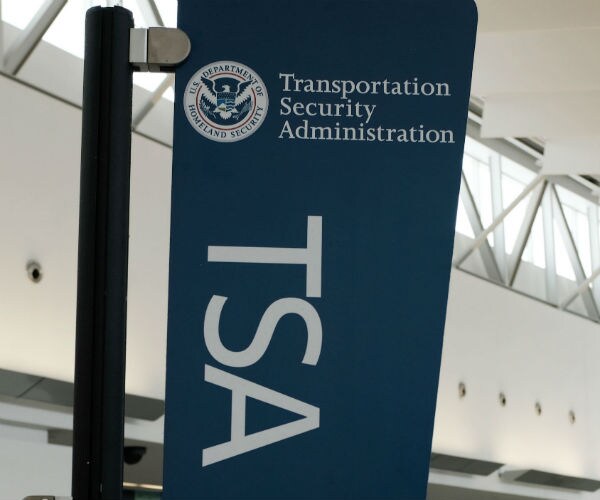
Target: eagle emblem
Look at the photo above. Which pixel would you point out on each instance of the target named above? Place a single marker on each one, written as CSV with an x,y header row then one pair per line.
x,y
226,99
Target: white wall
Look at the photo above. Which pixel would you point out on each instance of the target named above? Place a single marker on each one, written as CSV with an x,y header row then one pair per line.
x,y
30,466
500,341
39,192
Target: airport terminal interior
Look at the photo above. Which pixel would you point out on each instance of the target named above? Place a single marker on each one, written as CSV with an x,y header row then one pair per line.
x,y
518,407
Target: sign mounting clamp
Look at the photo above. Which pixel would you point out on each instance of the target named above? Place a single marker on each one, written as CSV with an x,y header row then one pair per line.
x,y
158,49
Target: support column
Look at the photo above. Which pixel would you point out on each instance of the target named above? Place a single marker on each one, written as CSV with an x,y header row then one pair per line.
x,y
103,256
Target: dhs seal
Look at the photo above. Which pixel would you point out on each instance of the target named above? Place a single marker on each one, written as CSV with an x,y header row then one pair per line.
x,y
226,101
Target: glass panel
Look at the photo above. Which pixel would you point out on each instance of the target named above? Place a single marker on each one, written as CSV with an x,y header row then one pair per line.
x,y
573,199
478,150
576,209
534,251
67,32
517,172
462,221
514,220
20,12
563,264
478,178
168,12
139,20
476,166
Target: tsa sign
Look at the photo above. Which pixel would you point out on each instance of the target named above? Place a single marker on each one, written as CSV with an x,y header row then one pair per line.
x,y
316,170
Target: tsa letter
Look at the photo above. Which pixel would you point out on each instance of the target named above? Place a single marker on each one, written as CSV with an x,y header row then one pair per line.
x,y
264,332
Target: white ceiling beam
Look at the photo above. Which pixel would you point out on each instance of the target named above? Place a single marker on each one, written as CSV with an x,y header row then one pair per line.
x,y
573,156
533,15
539,61
549,115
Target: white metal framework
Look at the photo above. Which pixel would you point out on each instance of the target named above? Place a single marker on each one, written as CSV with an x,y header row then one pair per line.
x,y
567,235
16,54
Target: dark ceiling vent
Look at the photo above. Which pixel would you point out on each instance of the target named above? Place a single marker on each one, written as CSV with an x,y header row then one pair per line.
x,y
541,478
47,391
463,465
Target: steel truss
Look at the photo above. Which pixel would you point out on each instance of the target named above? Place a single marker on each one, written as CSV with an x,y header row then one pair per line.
x,y
17,54
543,196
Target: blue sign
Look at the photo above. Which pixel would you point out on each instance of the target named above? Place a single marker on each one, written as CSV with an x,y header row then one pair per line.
x,y
317,157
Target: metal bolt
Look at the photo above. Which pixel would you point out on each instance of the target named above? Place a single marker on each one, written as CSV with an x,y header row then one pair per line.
x,y
34,271
502,399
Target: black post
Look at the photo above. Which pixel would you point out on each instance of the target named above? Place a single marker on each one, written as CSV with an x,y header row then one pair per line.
x,y
103,253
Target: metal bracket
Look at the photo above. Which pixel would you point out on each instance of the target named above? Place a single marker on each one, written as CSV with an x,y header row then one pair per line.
x,y
158,49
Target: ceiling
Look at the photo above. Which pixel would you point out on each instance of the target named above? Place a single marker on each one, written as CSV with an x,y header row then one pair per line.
x,y
538,73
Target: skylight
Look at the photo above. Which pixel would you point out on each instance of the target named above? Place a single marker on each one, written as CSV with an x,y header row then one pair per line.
x,y
20,12
168,11
68,29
